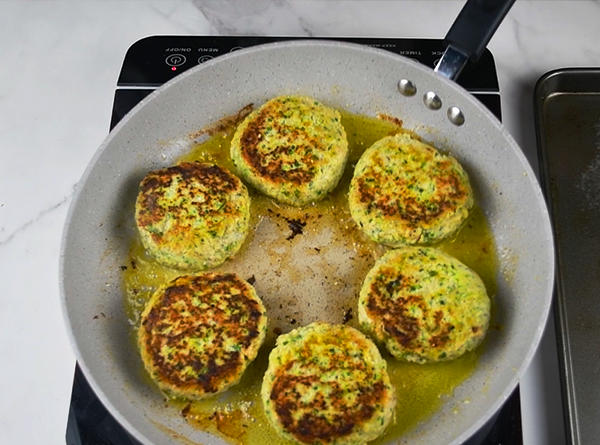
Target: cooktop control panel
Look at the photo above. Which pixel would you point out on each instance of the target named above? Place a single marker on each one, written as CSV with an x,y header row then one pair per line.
x,y
152,61
155,60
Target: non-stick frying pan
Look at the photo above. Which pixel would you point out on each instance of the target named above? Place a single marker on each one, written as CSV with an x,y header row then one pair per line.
x,y
360,80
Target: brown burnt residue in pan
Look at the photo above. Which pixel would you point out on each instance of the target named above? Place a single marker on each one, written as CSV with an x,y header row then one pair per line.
x,y
398,124
231,424
392,119
296,225
347,315
223,124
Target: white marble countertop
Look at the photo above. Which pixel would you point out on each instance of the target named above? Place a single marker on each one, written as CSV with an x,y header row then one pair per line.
x,y
60,61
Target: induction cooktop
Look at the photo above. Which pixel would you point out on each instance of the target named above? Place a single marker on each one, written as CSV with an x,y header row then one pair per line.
x,y
151,62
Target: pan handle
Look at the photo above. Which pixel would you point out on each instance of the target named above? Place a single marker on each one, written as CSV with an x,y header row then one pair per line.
x,y
470,33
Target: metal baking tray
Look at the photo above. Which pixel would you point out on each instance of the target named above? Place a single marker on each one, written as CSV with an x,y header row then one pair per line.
x,y
567,115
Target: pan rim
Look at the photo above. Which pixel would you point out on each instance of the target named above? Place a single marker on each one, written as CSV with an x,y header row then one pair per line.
x,y
542,319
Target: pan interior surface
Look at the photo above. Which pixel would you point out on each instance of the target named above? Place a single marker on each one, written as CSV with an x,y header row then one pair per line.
x,y
349,77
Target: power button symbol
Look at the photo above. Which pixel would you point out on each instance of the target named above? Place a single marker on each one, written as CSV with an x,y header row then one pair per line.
x,y
175,60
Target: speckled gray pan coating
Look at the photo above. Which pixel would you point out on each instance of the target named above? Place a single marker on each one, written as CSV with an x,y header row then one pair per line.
x,y
359,79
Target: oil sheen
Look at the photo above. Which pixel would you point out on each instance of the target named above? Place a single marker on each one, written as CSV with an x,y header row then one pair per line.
x,y
281,235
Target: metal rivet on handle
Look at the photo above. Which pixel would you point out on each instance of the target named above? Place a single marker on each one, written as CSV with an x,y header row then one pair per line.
x,y
432,100
406,87
456,116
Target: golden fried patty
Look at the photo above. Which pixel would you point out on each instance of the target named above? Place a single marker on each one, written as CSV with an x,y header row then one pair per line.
x,y
293,149
192,216
199,333
425,305
405,192
327,384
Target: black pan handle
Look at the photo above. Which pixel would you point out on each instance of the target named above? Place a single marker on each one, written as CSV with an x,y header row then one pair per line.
x,y
470,33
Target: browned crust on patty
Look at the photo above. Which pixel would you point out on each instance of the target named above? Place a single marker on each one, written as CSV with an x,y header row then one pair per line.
x,y
192,216
293,149
191,309
327,384
312,426
271,166
395,314
212,177
404,205
425,305
405,192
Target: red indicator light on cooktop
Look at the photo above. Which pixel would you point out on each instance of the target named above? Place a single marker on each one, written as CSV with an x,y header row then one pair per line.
x,y
173,68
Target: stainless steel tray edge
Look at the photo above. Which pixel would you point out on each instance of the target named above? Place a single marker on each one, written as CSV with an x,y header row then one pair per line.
x,y
572,83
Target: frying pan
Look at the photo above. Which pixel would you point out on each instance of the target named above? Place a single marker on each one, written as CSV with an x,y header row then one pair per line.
x,y
355,78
